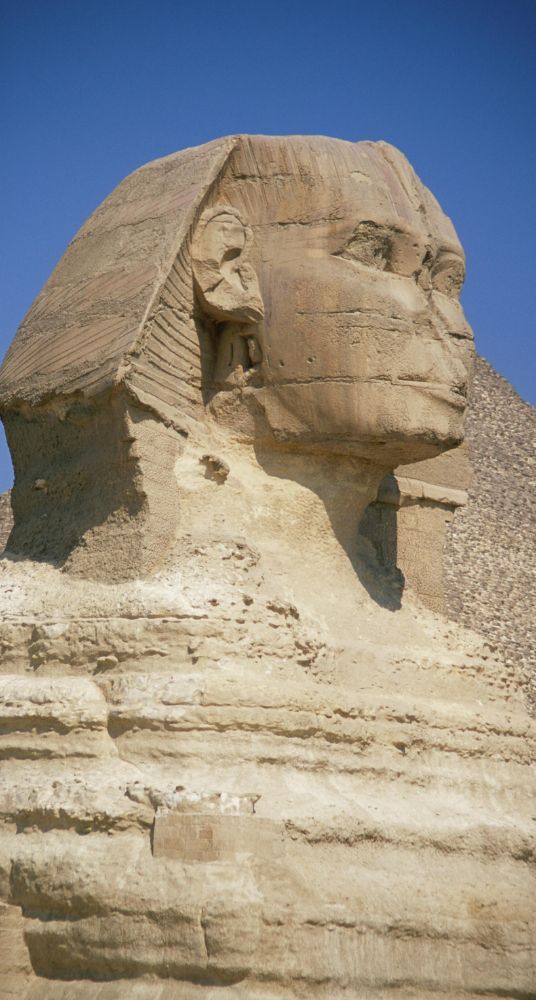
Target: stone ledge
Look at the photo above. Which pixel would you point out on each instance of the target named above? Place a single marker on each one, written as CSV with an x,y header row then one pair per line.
x,y
400,490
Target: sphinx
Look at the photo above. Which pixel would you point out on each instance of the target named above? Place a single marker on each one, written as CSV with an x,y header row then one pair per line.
x,y
241,761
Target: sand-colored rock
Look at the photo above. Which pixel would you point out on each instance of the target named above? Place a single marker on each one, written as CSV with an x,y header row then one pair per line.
x,y
235,762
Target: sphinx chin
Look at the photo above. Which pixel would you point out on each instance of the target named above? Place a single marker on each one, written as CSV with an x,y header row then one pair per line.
x,y
416,443
378,421
410,421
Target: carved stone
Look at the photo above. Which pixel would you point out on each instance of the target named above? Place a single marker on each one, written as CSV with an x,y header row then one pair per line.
x,y
243,760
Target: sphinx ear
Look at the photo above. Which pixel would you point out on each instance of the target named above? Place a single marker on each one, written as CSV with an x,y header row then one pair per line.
x,y
226,283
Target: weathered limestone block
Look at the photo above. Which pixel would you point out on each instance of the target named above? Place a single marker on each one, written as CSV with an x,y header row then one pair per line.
x,y
239,759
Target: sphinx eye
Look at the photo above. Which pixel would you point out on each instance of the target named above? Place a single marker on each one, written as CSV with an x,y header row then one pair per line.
x,y
369,244
448,274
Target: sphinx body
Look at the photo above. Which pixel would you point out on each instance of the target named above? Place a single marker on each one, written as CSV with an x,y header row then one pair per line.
x,y
239,764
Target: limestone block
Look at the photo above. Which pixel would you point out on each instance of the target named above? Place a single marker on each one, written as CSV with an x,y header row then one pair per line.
x,y
198,837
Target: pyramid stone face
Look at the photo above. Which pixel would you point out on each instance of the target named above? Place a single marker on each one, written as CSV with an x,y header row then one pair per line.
x,y
490,553
239,759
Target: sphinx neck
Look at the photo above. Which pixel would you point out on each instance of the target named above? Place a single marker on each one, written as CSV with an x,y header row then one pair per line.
x,y
326,493
300,513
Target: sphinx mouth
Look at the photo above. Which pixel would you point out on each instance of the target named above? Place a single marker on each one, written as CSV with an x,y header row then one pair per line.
x,y
444,389
454,395
460,389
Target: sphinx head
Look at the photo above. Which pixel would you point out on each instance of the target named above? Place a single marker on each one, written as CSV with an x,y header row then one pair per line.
x,y
301,292
331,280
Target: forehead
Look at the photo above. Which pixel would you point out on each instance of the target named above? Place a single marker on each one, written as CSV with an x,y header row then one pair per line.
x,y
305,183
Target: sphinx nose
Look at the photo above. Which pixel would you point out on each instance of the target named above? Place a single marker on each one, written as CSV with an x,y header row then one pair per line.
x,y
449,317
452,365
456,337
436,359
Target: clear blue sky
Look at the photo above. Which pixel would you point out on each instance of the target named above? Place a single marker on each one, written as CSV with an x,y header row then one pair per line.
x,y
91,90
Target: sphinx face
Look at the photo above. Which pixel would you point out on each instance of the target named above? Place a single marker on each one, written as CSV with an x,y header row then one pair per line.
x,y
365,348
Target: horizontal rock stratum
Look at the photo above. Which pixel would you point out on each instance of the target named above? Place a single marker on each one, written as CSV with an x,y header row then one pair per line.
x,y
240,759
